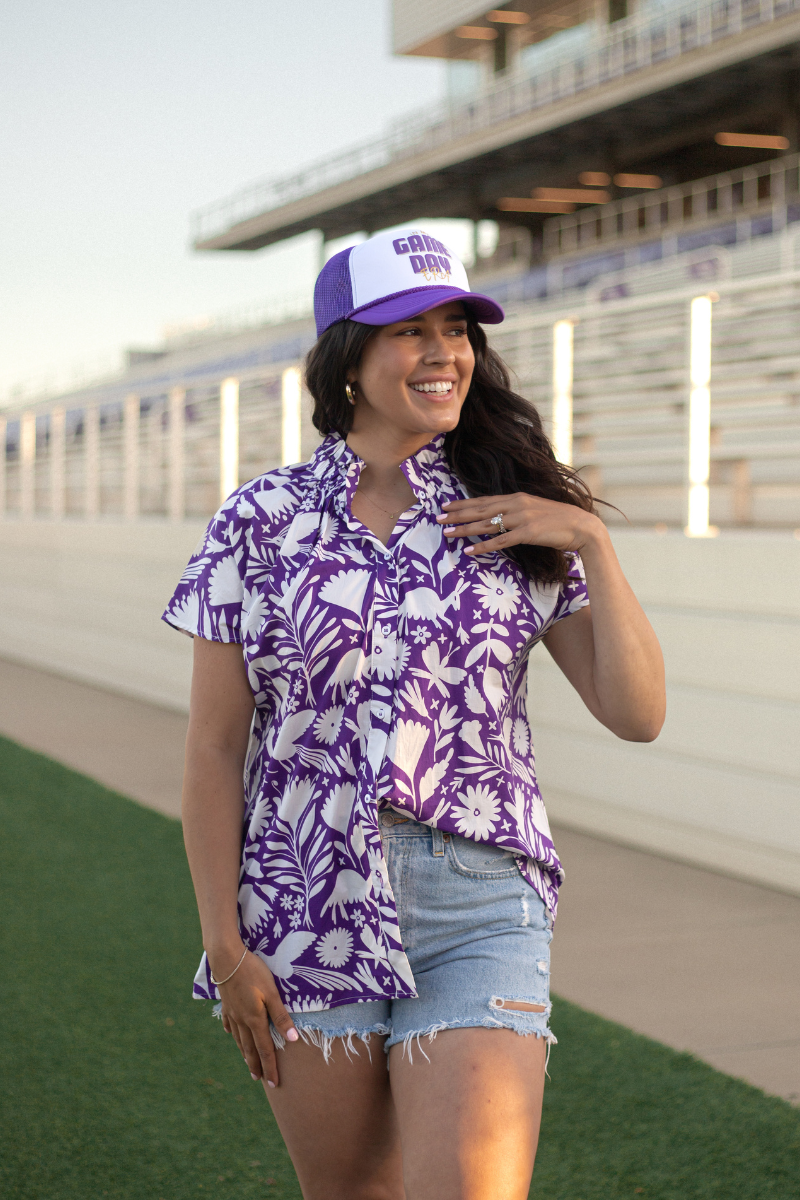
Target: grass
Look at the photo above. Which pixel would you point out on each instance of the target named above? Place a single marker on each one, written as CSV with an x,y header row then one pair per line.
x,y
116,1083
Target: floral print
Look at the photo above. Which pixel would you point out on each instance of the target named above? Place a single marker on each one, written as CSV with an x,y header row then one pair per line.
x,y
381,674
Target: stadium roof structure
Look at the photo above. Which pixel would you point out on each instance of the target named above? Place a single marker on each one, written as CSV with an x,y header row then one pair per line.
x,y
642,95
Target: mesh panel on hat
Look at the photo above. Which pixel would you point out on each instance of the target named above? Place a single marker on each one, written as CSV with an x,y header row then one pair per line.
x,y
333,291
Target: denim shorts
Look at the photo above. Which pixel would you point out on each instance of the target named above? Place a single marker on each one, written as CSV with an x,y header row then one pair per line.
x,y
476,934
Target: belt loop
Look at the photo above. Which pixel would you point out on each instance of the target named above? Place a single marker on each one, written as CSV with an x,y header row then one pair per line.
x,y
438,843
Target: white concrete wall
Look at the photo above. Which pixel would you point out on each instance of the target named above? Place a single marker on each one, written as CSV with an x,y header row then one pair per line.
x,y
720,787
84,599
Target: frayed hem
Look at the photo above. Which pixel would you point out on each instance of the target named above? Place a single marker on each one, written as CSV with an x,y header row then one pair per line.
x,y
487,1023
324,1040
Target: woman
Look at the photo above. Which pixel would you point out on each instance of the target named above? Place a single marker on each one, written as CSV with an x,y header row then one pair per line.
x,y
377,899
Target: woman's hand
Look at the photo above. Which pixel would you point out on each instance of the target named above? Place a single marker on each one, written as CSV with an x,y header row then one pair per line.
x,y
250,1000
529,521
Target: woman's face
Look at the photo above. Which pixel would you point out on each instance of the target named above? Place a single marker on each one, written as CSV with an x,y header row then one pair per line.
x,y
414,375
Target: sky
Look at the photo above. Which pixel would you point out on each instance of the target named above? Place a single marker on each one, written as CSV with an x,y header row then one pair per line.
x,y
118,120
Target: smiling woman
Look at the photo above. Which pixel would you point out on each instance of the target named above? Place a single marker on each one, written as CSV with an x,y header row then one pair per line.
x,y
367,839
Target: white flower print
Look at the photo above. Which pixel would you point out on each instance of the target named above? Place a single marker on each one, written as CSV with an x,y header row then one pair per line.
x,y
406,745
337,808
254,610
401,659
375,673
346,590
478,817
326,728
498,594
521,736
225,582
335,948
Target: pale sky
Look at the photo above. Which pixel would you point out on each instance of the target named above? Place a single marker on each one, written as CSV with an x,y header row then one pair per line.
x,y
118,120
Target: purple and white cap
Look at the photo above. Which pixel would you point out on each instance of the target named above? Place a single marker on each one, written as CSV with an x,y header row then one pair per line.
x,y
392,277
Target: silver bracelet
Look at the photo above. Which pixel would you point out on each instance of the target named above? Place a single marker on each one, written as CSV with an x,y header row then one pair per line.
x,y
217,982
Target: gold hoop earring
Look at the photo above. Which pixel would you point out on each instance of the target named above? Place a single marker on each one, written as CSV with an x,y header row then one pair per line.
x,y
349,393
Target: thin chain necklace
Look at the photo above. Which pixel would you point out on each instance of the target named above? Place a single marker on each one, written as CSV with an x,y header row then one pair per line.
x,y
365,496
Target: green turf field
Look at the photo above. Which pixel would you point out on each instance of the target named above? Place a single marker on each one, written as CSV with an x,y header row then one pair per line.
x,y
116,1083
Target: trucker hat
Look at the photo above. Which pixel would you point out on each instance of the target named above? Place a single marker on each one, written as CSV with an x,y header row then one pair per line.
x,y
392,277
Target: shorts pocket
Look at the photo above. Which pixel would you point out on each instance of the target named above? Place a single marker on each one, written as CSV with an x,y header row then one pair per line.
x,y
480,860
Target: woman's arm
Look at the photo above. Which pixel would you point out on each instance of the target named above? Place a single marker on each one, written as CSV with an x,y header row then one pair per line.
x,y
213,809
607,651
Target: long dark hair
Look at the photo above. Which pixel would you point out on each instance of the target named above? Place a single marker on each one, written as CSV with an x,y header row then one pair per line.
x,y
498,446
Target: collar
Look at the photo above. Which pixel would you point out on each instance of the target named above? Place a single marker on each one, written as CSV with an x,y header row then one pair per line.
x,y
337,468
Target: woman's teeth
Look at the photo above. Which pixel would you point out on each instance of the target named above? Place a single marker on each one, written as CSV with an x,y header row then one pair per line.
x,y
439,388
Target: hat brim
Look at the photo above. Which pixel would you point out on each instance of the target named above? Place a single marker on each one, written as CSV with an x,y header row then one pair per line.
x,y
404,305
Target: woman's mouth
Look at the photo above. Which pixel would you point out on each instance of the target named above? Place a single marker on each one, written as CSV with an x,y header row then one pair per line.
x,y
435,391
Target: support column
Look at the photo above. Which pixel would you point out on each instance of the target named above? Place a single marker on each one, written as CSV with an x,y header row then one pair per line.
x,y
176,504
562,390
91,462
699,450
3,453
228,438
58,462
27,464
130,434
291,417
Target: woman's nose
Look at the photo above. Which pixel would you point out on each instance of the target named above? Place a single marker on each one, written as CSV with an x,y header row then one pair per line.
x,y
440,351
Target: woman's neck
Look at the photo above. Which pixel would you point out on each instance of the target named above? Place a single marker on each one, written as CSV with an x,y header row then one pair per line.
x,y
383,454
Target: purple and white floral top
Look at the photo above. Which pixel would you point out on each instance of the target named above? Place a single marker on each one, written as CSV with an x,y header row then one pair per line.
x,y
380,674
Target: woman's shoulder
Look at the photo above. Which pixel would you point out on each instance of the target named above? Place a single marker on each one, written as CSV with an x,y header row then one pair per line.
x,y
269,500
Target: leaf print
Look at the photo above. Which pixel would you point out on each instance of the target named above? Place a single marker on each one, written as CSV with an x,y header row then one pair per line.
x,y
475,701
493,688
225,583
478,817
335,948
412,695
430,717
470,733
434,774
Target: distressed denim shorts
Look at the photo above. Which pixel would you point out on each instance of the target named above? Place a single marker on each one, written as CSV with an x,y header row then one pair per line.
x,y
477,937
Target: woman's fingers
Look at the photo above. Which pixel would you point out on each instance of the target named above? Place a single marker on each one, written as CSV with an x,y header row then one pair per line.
x,y
250,1052
279,1016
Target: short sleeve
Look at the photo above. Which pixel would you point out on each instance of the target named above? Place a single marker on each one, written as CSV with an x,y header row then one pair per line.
x,y
207,602
572,594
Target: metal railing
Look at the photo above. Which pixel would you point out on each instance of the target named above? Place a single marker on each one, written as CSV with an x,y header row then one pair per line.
x,y
169,452
628,46
763,188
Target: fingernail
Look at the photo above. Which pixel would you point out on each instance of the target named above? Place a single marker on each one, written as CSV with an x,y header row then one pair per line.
x,y
292,1035
449,528
252,1076
442,517
270,1083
